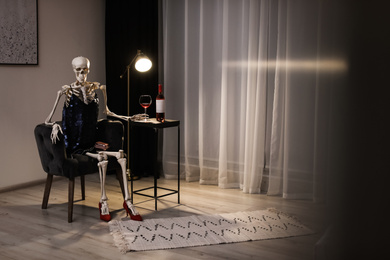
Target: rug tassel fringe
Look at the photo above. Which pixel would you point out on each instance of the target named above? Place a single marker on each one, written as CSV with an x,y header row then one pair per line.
x,y
117,235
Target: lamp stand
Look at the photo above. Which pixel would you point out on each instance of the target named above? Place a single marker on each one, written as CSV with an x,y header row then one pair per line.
x,y
142,68
128,124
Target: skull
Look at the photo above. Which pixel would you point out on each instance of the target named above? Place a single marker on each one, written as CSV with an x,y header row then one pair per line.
x,y
81,68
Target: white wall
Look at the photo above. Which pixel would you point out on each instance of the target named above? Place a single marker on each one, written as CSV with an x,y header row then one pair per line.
x,y
66,29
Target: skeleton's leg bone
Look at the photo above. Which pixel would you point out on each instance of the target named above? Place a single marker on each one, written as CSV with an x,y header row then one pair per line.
x,y
130,206
105,154
102,173
103,205
101,156
93,155
123,162
102,164
118,154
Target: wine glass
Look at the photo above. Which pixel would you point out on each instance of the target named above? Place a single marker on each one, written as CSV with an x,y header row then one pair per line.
x,y
145,101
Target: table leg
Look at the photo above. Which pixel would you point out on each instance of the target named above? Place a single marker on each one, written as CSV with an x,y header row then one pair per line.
x,y
155,191
155,169
178,164
131,185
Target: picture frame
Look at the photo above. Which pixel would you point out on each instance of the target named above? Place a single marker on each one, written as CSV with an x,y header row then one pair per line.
x,y
19,32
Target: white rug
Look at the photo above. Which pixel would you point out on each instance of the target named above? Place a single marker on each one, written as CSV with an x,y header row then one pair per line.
x,y
201,230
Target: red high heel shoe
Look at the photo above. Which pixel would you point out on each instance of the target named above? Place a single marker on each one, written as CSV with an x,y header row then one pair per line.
x,y
136,217
104,217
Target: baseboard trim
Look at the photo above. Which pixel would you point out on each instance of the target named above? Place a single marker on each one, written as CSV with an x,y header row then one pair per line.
x,y
24,185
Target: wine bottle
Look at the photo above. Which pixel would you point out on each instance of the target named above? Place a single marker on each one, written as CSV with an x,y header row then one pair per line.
x,y
160,105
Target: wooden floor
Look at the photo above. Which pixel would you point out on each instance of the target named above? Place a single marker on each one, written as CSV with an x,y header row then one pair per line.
x,y
28,232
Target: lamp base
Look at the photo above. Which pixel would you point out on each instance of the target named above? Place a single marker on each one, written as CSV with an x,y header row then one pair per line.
x,y
129,176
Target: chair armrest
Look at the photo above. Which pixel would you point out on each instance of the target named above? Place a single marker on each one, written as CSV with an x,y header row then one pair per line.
x,y
111,132
52,155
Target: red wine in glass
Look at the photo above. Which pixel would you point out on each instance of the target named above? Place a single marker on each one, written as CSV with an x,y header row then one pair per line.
x,y
145,105
145,101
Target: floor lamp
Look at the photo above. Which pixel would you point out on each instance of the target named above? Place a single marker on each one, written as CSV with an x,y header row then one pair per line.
x,y
142,64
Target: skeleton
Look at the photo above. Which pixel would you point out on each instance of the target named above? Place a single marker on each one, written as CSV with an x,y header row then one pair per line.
x,y
85,91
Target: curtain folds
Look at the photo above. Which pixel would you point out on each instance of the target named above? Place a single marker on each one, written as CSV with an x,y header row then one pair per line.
x,y
246,80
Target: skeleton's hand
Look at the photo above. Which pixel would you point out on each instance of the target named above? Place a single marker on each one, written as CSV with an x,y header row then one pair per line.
x,y
126,118
54,133
137,117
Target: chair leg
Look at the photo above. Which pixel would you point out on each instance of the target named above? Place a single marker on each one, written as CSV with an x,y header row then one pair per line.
x,y
70,199
46,194
82,181
120,179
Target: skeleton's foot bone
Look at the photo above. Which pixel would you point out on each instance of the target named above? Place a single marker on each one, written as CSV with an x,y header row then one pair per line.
x,y
104,211
130,210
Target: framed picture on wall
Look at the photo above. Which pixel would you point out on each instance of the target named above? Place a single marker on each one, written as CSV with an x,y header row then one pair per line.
x,y
19,32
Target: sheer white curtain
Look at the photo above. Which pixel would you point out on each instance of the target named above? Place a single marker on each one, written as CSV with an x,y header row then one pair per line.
x,y
215,82
243,78
310,70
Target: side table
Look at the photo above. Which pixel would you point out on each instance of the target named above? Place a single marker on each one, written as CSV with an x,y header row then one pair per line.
x,y
153,123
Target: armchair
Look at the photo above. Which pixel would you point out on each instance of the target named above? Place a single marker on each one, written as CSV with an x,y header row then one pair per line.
x,y
55,162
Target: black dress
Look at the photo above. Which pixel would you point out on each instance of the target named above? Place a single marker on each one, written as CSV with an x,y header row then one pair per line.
x,y
79,122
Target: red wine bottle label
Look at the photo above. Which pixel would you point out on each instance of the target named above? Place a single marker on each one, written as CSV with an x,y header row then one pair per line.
x,y
160,106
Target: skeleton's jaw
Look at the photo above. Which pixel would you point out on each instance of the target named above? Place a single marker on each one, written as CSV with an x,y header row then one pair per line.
x,y
81,78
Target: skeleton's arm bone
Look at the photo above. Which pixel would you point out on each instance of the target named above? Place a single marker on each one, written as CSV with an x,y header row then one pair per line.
x,y
56,127
48,119
107,111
